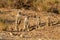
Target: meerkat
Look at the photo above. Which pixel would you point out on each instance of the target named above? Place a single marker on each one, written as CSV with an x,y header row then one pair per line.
x,y
18,20
26,23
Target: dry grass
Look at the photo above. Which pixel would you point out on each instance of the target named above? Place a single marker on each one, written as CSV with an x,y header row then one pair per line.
x,y
41,5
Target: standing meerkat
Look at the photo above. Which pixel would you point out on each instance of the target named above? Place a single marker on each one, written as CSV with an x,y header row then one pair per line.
x,y
26,24
38,20
18,20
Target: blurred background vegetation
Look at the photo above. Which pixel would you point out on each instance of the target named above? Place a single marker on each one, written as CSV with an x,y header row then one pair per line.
x,y
41,5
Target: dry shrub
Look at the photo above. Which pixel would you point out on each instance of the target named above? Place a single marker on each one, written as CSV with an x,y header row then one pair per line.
x,y
41,5
44,5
